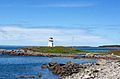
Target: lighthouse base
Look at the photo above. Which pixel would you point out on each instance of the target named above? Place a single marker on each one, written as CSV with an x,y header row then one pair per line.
x,y
50,44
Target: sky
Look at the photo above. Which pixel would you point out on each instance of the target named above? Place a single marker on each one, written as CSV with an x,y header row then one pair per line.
x,y
69,22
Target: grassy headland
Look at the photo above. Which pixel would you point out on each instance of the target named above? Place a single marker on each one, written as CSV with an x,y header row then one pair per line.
x,y
58,49
66,50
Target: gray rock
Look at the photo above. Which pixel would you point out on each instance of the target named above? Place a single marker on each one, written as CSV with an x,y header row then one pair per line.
x,y
110,70
101,62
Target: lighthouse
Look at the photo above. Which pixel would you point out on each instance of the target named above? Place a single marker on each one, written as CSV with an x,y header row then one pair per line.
x,y
50,42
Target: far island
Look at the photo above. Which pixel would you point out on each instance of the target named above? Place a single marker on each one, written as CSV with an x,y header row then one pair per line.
x,y
110,46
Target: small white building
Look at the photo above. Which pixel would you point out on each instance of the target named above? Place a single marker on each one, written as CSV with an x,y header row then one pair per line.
x,y
50,42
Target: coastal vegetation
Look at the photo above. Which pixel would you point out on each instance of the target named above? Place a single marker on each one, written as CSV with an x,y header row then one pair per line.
x,y
115,52
118,61
67,50
60,51
57,49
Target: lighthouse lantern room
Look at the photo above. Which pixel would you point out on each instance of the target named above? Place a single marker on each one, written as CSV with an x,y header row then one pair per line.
x,y
50,42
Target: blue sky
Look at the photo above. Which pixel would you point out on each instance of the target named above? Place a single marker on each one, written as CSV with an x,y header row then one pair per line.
x,y
70,22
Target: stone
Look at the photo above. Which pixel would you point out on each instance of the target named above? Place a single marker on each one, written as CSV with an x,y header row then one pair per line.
x,y
70,62
39,75
44,66
52,64
95,71
26,76
110,70
101,62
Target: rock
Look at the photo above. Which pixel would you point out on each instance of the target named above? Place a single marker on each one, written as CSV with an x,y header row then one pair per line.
x,y
86,77
61,64
95,71
39,75
101,62
44,66
101,70
70,62
106,70
64,69
55,67
26,76
52,64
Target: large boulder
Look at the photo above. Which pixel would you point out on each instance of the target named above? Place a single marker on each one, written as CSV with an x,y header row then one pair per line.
x,y
52,64
65,69
55,67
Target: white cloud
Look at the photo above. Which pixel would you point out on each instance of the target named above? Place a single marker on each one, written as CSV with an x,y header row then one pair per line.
x,y
39,36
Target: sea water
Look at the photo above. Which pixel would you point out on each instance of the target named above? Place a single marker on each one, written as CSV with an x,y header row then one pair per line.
x,y
97,49
11,67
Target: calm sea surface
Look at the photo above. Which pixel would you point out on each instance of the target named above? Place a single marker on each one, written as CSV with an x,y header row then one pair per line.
x,y
97,49
11,67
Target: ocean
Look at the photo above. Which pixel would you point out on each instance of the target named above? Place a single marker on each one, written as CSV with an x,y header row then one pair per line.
x,y
97,49
11,47
11,67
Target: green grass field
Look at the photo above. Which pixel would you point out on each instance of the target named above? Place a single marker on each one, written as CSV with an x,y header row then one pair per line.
x,y
66,50
59,49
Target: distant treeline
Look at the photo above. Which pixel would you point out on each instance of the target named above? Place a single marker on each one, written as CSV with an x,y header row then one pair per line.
x,y
110,46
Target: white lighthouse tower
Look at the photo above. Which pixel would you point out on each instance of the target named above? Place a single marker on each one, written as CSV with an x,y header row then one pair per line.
x,y
50,42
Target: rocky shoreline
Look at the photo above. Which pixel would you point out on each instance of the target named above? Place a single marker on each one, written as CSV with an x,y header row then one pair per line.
x,y
100,70
22,52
